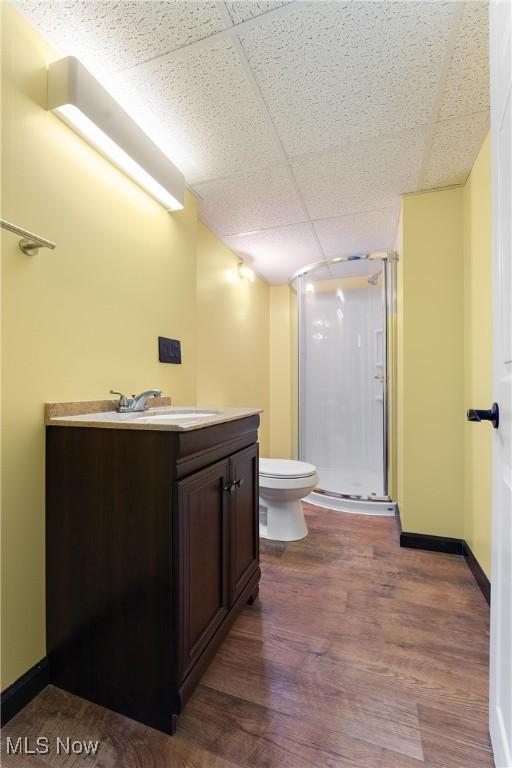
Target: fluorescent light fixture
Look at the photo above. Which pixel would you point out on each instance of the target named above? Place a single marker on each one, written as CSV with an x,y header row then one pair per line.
x,y
82,102
245,272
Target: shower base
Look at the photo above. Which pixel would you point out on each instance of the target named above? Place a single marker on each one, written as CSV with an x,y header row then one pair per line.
x,y
355,506
351,481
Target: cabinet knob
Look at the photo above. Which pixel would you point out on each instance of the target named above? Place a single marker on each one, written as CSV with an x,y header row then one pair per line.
x,y
233,485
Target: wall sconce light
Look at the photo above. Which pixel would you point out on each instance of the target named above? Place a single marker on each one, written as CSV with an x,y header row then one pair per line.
x,y
245,272
82,102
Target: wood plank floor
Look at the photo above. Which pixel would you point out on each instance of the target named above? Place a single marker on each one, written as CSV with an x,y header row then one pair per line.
x,y
357,653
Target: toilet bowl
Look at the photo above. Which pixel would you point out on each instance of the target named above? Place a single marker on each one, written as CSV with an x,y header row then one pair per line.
x,y
283,483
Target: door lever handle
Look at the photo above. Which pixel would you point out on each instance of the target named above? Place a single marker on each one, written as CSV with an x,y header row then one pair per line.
x,y
493,415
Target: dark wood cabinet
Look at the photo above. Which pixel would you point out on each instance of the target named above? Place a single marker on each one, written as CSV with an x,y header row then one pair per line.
x,y
244,520
202,535
152,549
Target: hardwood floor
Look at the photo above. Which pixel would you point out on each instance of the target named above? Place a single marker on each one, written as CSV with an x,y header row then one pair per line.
x,y
357,653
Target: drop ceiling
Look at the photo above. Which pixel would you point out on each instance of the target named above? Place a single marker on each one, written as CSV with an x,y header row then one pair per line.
x,y
297,124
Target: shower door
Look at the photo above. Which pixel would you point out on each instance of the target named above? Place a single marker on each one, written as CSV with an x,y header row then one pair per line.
x,y
342,376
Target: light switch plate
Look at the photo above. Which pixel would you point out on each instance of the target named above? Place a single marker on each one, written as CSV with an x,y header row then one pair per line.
x,y
169,350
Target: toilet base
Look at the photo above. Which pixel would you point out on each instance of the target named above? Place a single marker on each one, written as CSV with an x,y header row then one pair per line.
x,y
282,522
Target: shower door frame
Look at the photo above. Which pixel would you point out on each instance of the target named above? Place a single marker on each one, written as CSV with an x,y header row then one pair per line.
x,y
388,259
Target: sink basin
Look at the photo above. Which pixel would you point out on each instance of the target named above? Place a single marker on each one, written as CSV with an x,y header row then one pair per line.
x,y
177,415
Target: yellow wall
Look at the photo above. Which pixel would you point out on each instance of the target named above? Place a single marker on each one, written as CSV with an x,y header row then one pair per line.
x,y
84,318
282,373
232,333
478,356
431,331
445,361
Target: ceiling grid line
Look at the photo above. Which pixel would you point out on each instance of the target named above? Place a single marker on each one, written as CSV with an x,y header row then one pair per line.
x,y
443,77
207,40
307,221
266,115
317,153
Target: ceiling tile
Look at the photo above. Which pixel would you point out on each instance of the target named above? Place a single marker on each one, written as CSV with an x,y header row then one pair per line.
x,y
455,145
358,233
333,72
364,176
256,200
115,35
467,83
204,100
242,10
350,87
278,253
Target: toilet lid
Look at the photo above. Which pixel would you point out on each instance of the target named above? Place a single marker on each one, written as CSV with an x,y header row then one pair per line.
x,y
286,468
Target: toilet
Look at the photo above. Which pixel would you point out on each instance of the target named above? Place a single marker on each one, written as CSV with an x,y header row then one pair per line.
x,y
283,483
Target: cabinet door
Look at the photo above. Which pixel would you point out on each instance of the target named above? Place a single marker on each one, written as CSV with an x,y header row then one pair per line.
x,y
244,518
202,554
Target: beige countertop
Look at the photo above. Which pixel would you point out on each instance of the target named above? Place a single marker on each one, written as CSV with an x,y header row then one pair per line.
x,y
163,417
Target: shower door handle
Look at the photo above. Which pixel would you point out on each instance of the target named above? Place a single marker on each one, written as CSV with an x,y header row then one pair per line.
x,y
379,377
493,415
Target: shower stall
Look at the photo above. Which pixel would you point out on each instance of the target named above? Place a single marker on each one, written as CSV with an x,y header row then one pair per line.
x,y
345,362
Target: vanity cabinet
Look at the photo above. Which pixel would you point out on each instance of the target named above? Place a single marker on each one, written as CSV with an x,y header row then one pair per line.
x,y
203,545
244,526
152,550
217,538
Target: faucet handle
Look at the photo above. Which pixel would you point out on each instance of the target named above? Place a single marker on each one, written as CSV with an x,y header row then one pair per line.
x,y
123,400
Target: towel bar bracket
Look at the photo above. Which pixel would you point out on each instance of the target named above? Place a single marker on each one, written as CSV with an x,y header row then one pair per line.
x,y
30,243
29,247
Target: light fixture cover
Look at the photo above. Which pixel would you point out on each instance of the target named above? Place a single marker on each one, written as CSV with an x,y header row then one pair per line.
x,y
84,104
245,272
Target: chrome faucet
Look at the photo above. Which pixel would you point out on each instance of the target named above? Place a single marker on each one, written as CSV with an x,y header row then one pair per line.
x,y
135,402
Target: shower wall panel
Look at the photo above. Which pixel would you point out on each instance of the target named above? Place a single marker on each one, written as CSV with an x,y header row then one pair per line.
x,y
343,366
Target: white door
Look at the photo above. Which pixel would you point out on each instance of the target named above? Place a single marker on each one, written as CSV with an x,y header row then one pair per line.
x,y
500,715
